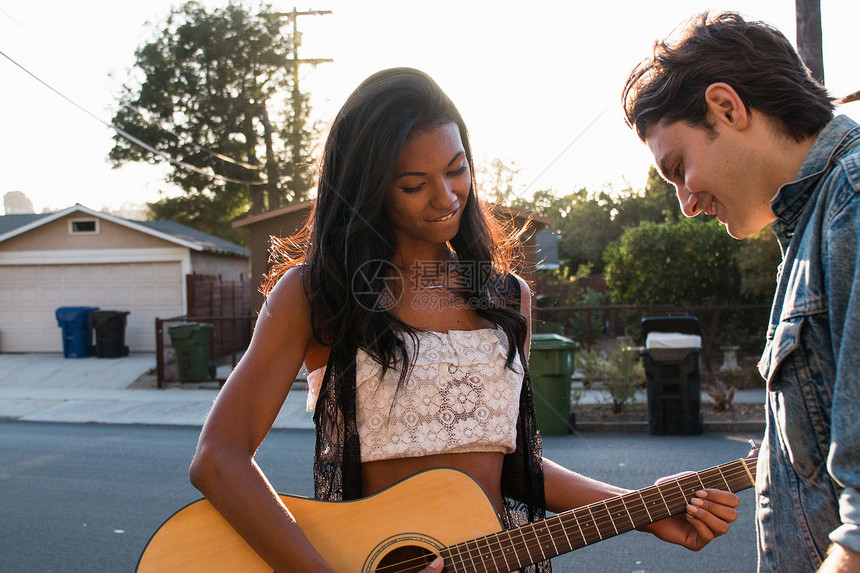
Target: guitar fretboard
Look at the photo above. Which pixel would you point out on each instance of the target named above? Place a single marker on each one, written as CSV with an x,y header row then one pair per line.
x,y
511,550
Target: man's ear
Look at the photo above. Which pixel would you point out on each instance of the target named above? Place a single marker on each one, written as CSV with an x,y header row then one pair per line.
x,y
725,106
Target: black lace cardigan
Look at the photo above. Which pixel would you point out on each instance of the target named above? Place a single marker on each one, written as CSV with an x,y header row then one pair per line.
x,y
337,458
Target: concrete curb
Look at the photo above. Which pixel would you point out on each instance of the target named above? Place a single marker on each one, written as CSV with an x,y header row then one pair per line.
x,y
740,426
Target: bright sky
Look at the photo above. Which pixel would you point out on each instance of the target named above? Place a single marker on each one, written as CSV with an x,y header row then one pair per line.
x,y
537,82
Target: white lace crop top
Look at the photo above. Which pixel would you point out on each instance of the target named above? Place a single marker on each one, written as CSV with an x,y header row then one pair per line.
x,y
459,397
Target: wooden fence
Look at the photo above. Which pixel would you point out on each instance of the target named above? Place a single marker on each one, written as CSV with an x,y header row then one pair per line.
x,y
740,325
226,306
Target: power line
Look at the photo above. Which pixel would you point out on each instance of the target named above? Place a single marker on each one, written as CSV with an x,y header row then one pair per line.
x,y
565,150
136,109
196,146
122,133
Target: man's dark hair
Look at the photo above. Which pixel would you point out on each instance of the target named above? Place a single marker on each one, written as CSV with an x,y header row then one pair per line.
x,y
754,58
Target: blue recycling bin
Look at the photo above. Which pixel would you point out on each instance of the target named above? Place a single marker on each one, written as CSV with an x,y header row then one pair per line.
x,y
77,325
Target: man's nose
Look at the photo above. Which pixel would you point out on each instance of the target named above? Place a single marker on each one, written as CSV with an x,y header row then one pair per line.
x,y
689,201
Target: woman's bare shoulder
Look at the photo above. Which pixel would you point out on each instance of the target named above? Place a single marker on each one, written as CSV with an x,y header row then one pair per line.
x,y
289,309
289,292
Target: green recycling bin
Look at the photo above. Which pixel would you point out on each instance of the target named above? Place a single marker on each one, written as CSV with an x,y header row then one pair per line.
x,y
193,354
551,367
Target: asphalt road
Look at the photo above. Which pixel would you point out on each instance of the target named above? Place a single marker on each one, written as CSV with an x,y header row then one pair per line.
x,y
87,497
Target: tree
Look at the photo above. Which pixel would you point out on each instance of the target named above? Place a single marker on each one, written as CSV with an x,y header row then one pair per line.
x,y
496,180
684,263
588,222
587,227
215,98
543,202
758,258
583,220
658,203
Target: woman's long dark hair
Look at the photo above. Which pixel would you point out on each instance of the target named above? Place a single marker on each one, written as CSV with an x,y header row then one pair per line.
x,y
348,243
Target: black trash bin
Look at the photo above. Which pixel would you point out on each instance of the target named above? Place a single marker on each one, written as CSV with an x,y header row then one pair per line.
x,y
673,346
110,333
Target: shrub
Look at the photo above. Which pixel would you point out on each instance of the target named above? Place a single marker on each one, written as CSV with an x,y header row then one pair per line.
x,y
588,363
622,374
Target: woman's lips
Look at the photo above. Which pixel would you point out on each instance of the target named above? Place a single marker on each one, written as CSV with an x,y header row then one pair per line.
x,y
445,218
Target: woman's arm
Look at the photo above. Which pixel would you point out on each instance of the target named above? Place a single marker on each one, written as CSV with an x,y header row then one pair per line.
x,y
223,468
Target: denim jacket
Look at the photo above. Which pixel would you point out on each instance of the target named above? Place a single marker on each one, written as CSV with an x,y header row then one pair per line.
x,y
808,484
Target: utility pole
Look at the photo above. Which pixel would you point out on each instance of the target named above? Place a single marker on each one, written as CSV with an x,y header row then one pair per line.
x,y
297,36
297,123
297,42
808,16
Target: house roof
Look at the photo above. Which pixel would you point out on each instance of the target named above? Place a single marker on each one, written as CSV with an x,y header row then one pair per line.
x,y
9,223
206,241
171,231
246,220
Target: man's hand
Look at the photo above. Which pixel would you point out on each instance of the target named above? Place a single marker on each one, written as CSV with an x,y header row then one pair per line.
x,y
840,560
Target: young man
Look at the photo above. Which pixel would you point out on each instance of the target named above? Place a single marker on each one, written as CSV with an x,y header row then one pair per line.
x,y
736,123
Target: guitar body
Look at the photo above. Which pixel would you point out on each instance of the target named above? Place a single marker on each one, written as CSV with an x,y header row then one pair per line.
x,y
410,522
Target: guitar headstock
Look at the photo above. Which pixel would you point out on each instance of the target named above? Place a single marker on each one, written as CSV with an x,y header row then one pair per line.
x,y
753,455
752,458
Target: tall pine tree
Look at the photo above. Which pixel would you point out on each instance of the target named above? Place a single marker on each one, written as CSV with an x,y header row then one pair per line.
x,y
213,94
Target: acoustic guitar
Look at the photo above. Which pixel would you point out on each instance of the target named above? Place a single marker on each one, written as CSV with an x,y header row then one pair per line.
x,y
436,512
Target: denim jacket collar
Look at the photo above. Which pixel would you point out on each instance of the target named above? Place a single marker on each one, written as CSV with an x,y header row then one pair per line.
x,y
790,201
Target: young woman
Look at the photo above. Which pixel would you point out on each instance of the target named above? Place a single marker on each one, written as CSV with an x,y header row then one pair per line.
x,y
402,306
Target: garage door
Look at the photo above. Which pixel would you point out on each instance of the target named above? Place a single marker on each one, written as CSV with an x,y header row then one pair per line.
x,y
29,295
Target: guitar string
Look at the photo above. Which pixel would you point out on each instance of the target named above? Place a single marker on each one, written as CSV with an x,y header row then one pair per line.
x,y
617,504
547,525
738,476
554,528
544,529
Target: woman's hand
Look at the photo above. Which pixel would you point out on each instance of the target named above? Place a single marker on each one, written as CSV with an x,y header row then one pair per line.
x,y
434,567
708,516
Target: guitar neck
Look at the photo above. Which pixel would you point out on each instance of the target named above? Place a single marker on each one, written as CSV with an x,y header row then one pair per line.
x,y
517,548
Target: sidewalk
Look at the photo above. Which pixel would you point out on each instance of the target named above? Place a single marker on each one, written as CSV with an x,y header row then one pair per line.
x,y
50,388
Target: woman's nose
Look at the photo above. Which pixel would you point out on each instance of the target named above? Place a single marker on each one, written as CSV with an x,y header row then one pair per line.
x,y
444,195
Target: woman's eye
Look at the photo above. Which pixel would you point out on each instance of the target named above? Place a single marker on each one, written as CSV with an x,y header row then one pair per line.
x,y
412,189
457,172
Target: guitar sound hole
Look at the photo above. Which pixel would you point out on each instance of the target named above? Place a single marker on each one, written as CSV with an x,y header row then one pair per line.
x,y
406,559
